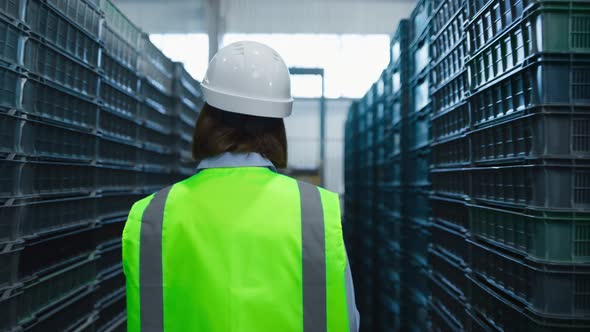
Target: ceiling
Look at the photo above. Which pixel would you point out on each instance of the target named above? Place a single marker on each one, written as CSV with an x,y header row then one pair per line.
x,y
269,16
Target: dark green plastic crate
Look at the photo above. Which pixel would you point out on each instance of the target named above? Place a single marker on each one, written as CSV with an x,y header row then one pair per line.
x,y
501,314
117,152
418,132
43,293
447,22
119,73
44,179
451,92
533,26
420,19
543,288
547,185
420,95
50,25
118,101
48,63
451,241
454,152
11,43
73,314
450,271
533,136
117,205
399,44
450,211
120,24
552,84
420,58
81,12
541,235
58,105
452,182
542,186
30,218
11,89
10,8
114,125
117,48
449,312
46,141
111,312
453,122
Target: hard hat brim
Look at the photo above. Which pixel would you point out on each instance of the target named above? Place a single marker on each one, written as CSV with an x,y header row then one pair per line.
x,y
244,105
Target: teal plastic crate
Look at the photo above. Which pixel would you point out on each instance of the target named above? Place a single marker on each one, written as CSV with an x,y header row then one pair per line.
x,y
120,24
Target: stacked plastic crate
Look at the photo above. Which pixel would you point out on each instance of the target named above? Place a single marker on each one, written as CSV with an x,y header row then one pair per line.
x,y
49,58
118,149
188,102
393,106
352,225
77,150
529,184
415,225
366,214
448,254
156,111
351,165
382,165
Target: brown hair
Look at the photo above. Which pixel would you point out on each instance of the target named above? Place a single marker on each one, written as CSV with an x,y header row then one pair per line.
x,y
218,131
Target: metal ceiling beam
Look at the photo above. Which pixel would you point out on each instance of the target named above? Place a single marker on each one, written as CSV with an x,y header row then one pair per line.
x,y
268,16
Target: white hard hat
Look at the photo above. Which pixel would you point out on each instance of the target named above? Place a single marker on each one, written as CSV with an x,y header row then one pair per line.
x,y
249,78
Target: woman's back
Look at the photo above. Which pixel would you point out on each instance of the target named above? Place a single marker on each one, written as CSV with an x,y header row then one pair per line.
x,y
232,258
239,247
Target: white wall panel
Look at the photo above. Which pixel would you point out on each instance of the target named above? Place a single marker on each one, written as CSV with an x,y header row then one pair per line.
x,y
303,137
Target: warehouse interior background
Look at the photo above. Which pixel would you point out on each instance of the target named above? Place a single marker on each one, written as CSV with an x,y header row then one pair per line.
x,y
349,39
456,132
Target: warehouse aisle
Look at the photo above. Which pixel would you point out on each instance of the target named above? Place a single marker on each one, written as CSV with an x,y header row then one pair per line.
x,y
467,162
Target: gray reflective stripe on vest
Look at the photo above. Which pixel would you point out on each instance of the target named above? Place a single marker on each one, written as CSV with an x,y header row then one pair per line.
x,y
150,264
353,319
314,259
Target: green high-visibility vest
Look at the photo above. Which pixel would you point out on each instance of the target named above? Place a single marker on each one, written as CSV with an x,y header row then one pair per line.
x,y
239,249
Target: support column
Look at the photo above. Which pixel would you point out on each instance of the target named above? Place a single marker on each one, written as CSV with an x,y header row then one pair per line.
x,y
215,26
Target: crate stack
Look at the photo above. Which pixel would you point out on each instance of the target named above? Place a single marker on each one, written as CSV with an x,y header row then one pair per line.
x,y
390,152
118,151
499,122
156,109
415,224
382,187
353,223
77,150
360,198
366,214
528,181
448,252
188,102
50,55
351,172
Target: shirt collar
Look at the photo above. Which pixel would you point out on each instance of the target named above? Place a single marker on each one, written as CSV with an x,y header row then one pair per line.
x,y
231,159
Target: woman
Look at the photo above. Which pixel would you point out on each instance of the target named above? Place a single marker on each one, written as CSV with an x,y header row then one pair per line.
x,y
239,247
